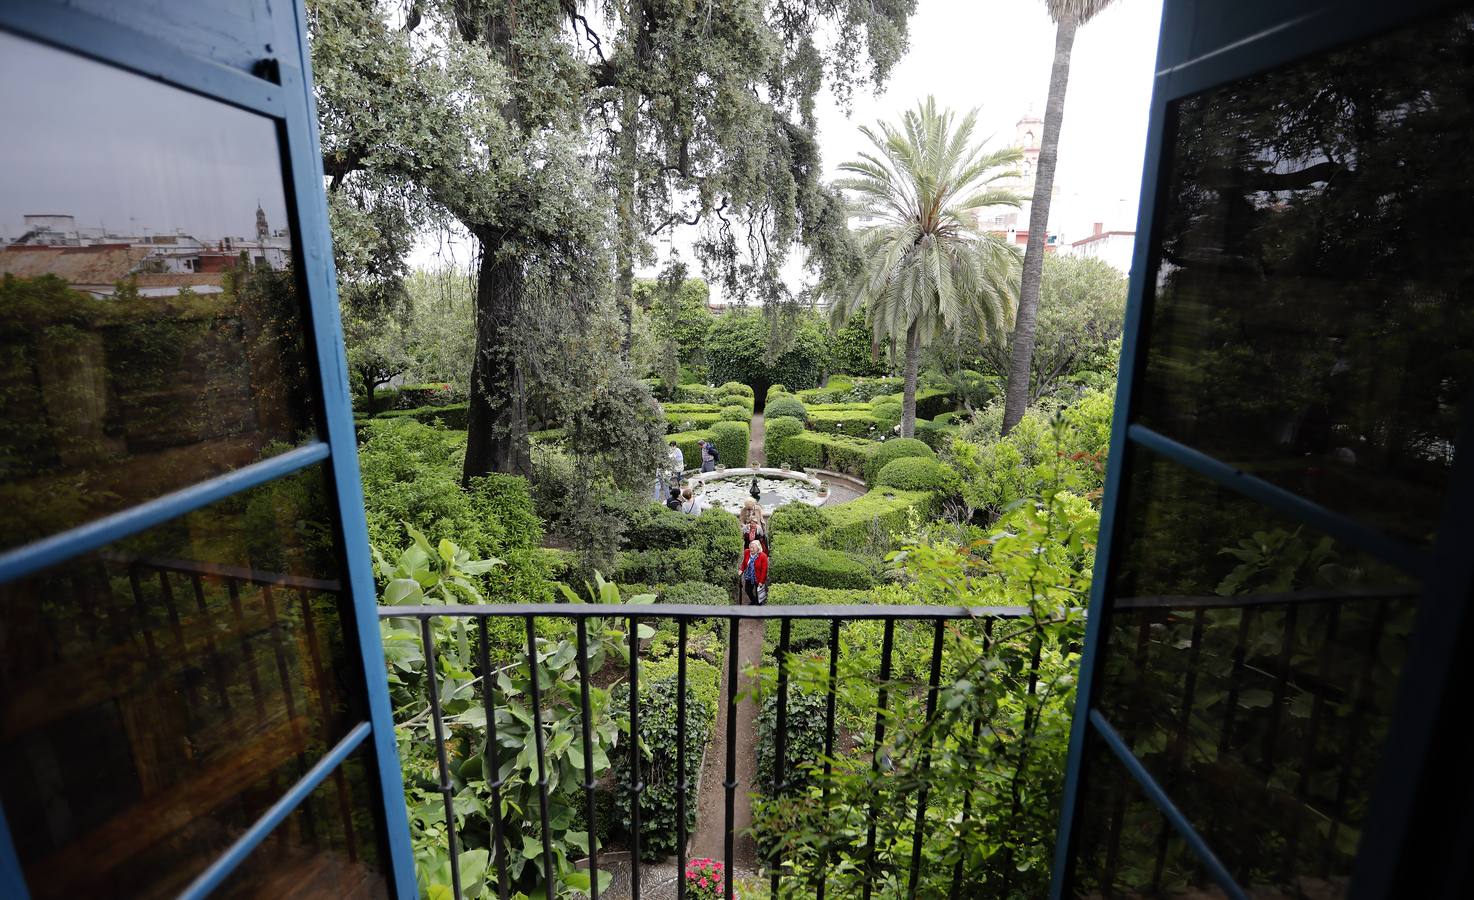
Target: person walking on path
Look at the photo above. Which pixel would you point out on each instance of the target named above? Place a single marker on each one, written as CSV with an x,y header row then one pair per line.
x,y
755,573
754,525
709,456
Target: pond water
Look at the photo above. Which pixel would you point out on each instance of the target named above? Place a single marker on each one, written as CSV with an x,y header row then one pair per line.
x,y
731,493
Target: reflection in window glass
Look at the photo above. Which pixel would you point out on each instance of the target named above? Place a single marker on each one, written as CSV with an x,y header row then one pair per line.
x,y
1313,318
150,328
1126,847
319,851
1255,659
161,693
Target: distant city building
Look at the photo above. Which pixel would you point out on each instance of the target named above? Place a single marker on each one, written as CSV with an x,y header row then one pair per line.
x,y
1114,247
1014,222
94,258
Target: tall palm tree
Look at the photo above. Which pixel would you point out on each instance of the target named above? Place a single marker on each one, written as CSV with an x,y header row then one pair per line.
x,y
1068,15
928,269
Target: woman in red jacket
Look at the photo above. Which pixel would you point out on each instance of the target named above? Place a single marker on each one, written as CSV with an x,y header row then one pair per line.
x,y
755,573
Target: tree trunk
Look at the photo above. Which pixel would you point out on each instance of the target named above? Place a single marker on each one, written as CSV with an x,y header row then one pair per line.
x,y
496,438
626,174
1016,398
913,364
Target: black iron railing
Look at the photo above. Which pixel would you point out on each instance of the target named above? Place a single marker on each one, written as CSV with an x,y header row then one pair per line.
x,y
682,615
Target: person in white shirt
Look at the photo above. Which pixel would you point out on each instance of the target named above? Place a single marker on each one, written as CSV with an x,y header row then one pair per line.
x,y
692,503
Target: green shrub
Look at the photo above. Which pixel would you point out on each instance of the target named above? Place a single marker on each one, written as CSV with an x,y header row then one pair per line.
x,y
808,634
796,518
785,405
776,431
452,416
937,435
887,413
773,391
860,422
803,563
736,387
678,423
803,742
917,473
413,396
699,593
834,452
660,566
736,413
934,402
658,733
651,526
869,520
894,449
731,440
717,534
694,393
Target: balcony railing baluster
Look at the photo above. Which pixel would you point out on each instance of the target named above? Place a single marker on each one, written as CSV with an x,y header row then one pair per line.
x,y
446,790
542,760
871,855
729,785
637,787
682,784
933,687
831,693
780,740
977,730
491,763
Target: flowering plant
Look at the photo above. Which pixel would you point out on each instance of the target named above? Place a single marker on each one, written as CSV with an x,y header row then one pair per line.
x,y
703,879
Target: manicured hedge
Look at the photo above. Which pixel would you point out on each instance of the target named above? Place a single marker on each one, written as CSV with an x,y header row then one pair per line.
x,y
934,402
916,473
860,422
736,387
776,432
862,390
808,634
785,405
730,439
414,396
882,509
453,416
894,449
677,423
887,412
837,453
701,593
695,393
796,518
736,413
773,391
799,562
937,435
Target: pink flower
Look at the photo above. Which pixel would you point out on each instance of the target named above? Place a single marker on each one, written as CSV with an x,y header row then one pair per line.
x,y
703,882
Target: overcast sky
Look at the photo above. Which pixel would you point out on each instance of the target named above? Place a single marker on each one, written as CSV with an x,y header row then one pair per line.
x,y
117,149
996,56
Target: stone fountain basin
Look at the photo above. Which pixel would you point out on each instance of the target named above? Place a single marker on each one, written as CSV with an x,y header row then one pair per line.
x,y
817,495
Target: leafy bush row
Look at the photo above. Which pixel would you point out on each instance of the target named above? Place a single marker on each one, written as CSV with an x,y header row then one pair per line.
x,y
871,518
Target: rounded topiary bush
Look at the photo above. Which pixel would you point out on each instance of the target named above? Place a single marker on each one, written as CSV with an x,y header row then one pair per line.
x,y
775,390
731,442
797,518
700,593
916,473
887,412
775,433
786,405
735,414
735,387
893,450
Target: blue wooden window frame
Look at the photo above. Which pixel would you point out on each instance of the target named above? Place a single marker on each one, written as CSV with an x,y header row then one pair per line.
x,y
281,90
1205,44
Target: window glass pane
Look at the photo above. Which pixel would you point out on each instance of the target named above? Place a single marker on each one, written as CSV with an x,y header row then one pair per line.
x,y
161,693
326,848
1255,659
1126,846
151,333
1313,315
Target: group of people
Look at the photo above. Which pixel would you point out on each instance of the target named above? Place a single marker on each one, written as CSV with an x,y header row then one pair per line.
x,y
668,485
685,498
